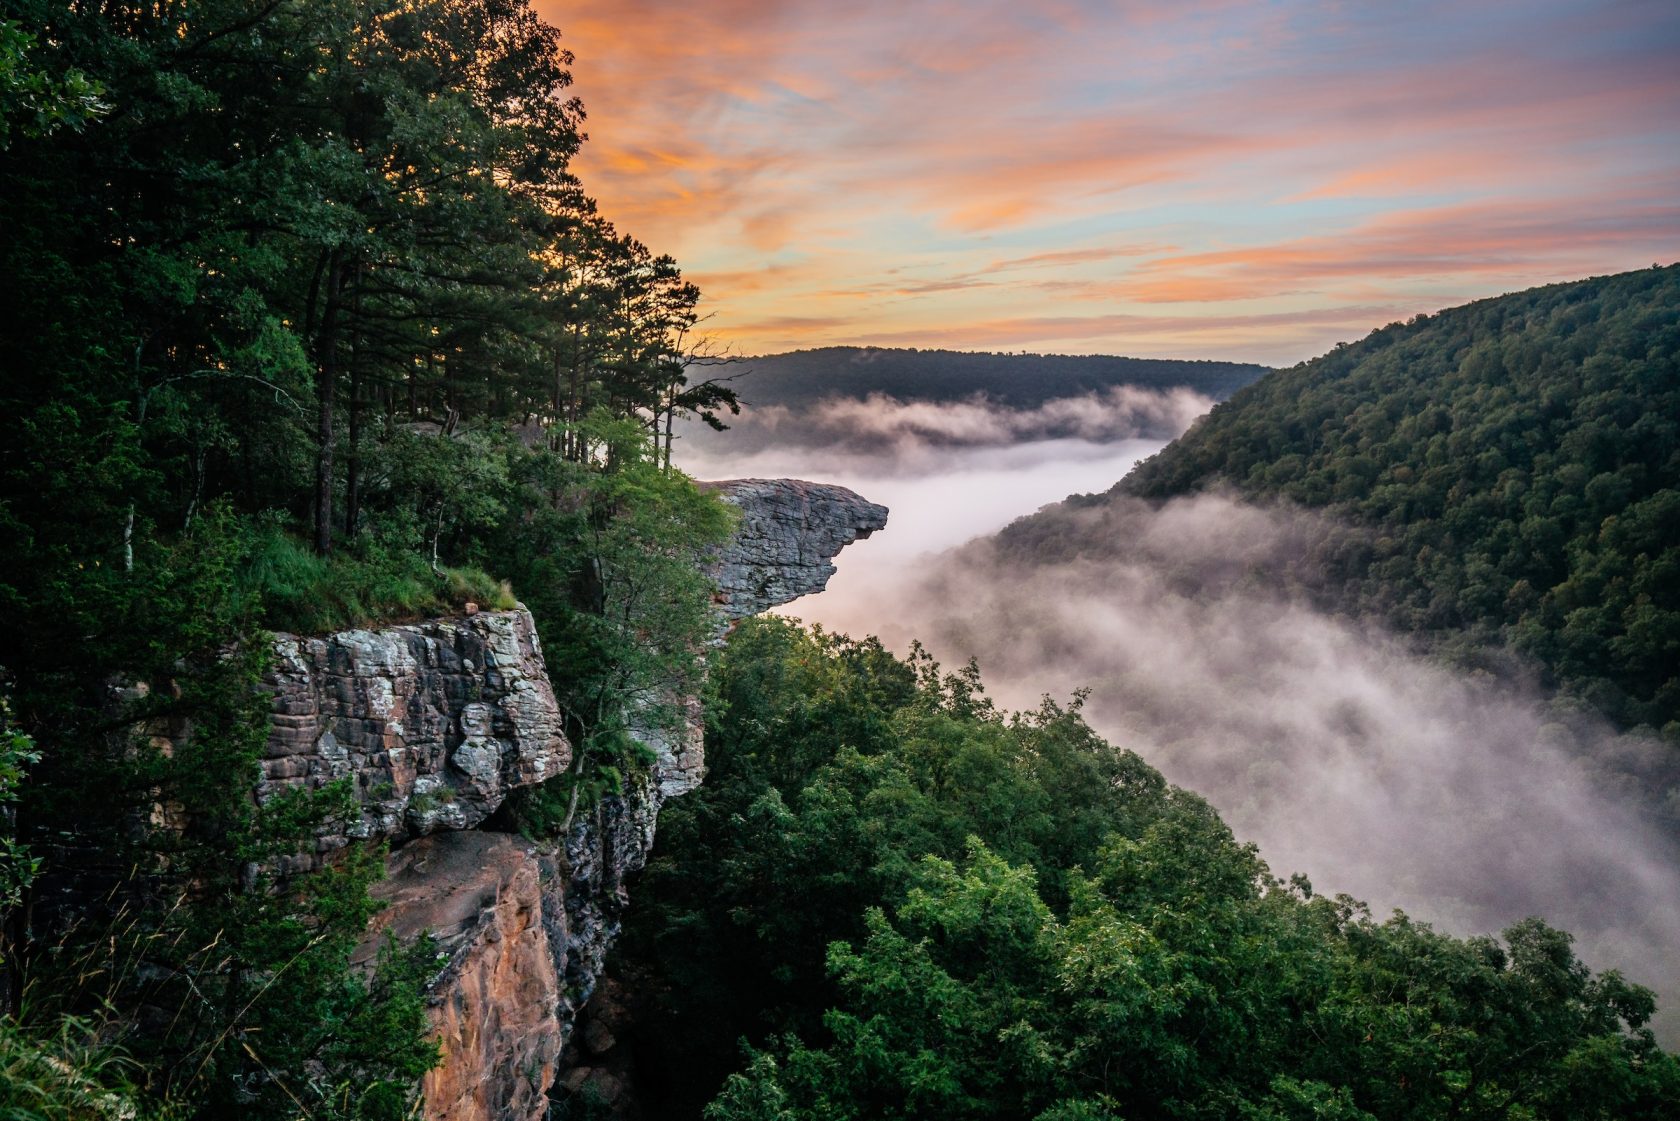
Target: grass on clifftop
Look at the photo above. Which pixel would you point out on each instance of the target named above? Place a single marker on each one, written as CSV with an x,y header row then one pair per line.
x,y
310,594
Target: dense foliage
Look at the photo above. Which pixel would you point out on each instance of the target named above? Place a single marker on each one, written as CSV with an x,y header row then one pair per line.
x,y
911,904
1518,462
306,323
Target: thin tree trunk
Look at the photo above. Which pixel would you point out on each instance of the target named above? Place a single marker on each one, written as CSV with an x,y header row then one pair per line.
x,y
142,398
670,418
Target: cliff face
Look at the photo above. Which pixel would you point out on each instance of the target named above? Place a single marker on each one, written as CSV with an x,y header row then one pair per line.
x,y
491,900
436,723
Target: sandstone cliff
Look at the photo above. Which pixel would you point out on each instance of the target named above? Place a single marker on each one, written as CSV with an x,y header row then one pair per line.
x,y
436,723
785,545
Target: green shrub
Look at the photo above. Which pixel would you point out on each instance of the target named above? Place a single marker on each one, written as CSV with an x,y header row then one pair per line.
x,y
69,1073
366,584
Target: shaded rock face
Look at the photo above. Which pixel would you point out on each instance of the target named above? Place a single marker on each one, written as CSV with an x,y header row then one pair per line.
x,y
785,546
433,723
605,848
496,1004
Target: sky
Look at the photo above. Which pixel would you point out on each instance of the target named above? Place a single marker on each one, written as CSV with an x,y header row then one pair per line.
x,y
1159,178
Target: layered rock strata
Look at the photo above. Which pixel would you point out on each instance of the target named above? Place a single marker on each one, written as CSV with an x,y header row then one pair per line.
x,y
433,724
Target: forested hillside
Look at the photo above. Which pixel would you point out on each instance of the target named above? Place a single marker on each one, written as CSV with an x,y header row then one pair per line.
x,y
1512,468
1017,381
867,400
306,324
906,902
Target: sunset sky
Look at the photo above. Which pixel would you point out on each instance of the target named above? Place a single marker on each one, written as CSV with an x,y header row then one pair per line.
x,y
1163,178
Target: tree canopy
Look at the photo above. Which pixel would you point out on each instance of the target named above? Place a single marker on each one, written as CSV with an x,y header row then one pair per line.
x,y
904,902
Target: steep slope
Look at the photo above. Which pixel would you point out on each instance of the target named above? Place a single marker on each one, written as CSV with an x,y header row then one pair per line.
x,y
436,724
1510,471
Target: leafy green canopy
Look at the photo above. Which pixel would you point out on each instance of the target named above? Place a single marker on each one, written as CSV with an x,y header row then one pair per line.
x,y
306,323
1517,461
913,905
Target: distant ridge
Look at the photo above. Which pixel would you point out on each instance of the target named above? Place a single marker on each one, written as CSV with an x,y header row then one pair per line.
x,y
803,377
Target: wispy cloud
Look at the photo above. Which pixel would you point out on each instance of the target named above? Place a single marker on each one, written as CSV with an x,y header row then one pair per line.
x,y
945,164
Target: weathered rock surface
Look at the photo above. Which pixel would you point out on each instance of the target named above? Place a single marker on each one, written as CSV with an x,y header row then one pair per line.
x,y
606,846
789,535
496,1005
433,723
526,928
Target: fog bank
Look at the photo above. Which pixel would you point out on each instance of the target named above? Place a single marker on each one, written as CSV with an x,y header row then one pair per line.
x,y
1345,754
885,429
1464,800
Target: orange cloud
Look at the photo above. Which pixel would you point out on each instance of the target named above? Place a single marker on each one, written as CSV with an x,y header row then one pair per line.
x,y
936,170
1537,241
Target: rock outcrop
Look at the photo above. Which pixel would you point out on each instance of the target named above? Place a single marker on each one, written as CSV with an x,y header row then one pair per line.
x,y
434,724
789,535
783,548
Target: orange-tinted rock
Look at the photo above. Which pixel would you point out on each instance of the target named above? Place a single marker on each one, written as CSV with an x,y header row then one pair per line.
x,y
496,1004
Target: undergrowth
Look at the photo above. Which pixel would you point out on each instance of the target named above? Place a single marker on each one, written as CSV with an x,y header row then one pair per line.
x,y
369,584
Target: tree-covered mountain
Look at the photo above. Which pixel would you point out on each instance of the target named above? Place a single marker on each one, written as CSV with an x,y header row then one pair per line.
x,y
1508,471
1017,381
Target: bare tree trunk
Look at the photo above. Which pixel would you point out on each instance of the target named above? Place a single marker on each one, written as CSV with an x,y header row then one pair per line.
x,y
198,486
142,398
670,419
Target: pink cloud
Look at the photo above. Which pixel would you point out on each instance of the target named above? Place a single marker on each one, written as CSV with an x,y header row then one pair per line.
x,y
946,164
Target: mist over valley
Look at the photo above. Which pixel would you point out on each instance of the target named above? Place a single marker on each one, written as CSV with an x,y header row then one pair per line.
x,y
486,640
1210,633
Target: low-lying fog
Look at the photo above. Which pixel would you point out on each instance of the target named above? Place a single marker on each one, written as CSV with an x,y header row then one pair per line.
x,y
1343,754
